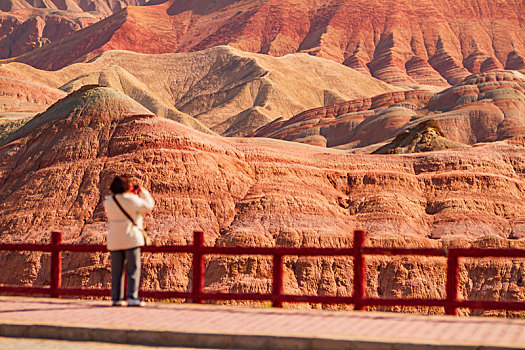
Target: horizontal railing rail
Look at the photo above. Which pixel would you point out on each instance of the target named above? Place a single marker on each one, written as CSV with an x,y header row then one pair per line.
x,y
277,297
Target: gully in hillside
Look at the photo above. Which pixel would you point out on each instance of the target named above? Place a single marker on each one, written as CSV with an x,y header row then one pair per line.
x,y
124,210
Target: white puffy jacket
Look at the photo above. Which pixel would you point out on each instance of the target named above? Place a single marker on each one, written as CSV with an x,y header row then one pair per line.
x,y
122,233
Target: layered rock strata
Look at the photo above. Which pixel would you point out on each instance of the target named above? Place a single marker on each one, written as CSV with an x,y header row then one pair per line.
x,y
26,25
24,30
104,7
484,107
21,98
358,123
220,89
55,172
429,43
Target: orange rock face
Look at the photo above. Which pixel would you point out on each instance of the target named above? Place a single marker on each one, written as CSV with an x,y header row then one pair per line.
x,y
358,122
26,25
24,30
21,93
483,108
104,7
429,43
55,172
55,169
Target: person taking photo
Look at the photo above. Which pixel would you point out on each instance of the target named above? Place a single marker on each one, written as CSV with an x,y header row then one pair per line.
x,y
125,208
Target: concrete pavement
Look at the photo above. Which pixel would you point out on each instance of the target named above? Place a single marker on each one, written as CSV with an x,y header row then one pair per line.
x,y
49,344
189,325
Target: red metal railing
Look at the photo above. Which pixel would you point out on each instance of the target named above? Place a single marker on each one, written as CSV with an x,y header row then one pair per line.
x,y
277,297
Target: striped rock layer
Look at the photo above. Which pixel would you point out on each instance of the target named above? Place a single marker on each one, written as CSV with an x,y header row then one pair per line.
x,y
484,107
55,172
430,42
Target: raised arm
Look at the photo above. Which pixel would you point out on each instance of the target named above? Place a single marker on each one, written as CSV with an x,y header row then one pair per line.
x,y
143,203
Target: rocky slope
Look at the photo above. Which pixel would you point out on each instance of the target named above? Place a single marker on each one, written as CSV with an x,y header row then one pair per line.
x,y
354,124
26,25
226,90
24,30
21,98
424,137
405,43
55,172
103,7
484,107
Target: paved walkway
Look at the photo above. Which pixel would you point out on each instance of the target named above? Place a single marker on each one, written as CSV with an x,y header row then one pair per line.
x,y
187,325
47,344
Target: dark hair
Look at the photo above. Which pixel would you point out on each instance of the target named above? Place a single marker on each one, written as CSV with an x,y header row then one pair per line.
x,y
120,184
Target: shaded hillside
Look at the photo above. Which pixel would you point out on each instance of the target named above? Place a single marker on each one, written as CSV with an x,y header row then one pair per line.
x,y
121,80
24,30
227,90
26,25
103,7
430,42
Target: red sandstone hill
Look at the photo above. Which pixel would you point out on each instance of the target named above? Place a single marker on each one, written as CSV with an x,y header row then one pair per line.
x,y
104,7
26,25
430,42
483,108
55,172
24,30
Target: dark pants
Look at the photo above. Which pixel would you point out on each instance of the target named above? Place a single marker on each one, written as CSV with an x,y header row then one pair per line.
x,y
130,258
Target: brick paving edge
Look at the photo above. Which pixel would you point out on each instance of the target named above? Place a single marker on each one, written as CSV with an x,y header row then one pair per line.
x,y
372,314
221,341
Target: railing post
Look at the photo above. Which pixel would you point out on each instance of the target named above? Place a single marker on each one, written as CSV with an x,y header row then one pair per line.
x,y
277,280
452,283
359,270
56,264
198,267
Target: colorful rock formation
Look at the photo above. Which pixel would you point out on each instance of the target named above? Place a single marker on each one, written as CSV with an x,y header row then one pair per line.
x,y
24,30
425,137
429,43
223,89
104,7
55,172
26,25
55,168
21,98
483,108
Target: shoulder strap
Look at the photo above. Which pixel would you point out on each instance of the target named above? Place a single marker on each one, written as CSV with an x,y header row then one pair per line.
x,y
123,211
